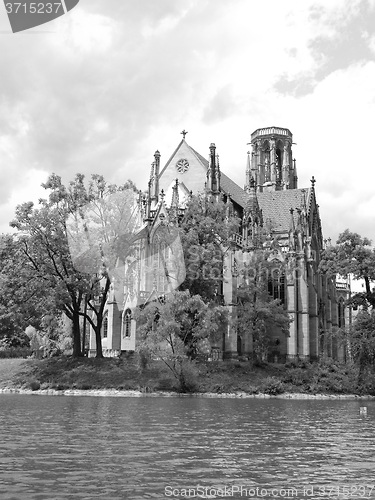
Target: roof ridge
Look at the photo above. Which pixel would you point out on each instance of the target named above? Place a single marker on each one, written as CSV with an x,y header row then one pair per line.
x,y
201,158
170,159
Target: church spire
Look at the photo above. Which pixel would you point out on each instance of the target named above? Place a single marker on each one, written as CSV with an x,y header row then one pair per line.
x,y
213,173
175,202
248,173
295,175
156,164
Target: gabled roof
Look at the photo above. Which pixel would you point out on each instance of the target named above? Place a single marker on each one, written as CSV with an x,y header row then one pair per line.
x,y
275,205
200,157
227,185
237,194
172,156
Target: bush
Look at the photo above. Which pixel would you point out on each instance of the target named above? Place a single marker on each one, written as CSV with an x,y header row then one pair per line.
x,y
34,385
188,376
297,376
143,359
15,352
331,376
272,386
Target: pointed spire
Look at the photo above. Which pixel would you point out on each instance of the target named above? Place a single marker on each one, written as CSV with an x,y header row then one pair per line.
x,y
140,203
248,172
173,212
295,175
292,227
148,201
175,196
313,181
156,175
213,173
152,181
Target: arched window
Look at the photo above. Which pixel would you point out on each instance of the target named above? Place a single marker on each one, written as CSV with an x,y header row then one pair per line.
x,y
279,161
341,313
127,323
266,161
105,327
162,265
276,286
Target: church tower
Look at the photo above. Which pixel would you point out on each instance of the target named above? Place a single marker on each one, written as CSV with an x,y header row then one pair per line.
x,y
272,165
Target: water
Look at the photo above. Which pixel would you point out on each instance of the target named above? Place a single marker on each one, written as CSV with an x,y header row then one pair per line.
x,y
140,448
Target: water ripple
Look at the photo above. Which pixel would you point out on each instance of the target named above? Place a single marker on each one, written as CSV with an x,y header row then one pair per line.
x,y
116,448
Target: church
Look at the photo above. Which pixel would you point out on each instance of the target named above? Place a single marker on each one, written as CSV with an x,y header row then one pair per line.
x,y
270,200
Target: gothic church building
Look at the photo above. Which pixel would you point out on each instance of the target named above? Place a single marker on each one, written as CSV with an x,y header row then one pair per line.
x,y
270,199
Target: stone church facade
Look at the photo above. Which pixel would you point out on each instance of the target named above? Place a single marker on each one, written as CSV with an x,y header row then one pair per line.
x,y
271,202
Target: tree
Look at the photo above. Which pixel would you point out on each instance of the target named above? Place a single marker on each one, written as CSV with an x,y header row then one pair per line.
x,y
23,299
177,328
259,312
353,255
207,229
44,245
260,308
99,236
44,241
359,341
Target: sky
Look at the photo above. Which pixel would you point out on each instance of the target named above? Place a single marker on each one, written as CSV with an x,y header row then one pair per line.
x,y
99,89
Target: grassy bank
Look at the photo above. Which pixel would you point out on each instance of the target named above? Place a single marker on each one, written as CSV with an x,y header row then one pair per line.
x,y
222,377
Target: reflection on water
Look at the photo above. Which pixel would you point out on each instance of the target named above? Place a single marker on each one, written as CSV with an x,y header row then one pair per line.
x,y
116,448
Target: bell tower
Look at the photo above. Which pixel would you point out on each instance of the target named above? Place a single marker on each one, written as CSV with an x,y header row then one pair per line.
x,y
272,165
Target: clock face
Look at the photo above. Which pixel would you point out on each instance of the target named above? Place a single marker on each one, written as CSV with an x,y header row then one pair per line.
x,y
182,165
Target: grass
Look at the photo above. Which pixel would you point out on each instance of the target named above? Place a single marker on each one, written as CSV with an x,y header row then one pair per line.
x,y
327,377
10,368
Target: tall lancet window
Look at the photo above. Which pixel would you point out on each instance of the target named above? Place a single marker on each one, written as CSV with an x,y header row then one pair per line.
x,y
276,285
127,323
279,161
267,161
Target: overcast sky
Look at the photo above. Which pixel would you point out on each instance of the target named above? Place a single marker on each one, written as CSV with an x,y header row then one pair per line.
x,y
101,88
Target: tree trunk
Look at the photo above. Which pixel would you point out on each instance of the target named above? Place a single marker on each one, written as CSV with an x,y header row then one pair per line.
x,y
76,332
98,339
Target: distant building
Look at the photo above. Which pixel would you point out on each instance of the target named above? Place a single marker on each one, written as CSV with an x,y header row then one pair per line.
x,y
270,200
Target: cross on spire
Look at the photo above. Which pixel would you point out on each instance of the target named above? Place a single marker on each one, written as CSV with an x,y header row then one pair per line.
x,y
184,132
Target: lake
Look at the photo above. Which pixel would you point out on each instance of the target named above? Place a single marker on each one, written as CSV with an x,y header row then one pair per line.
x,y
77,447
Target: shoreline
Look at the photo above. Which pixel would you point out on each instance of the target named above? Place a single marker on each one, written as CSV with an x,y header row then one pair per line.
x,y
165,394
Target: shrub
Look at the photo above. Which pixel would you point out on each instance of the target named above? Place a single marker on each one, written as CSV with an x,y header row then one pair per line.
x,y
143,359
34,385
272,386
188,376
297,376
15,352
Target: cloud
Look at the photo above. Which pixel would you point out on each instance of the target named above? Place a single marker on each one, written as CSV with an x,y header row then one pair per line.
x,y
106,85
222,106
344,37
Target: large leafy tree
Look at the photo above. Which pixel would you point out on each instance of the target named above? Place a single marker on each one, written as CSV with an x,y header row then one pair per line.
x,y
353,255
50,257
259,312
44,245
359,341
23,297
99,235
178,328
207,229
